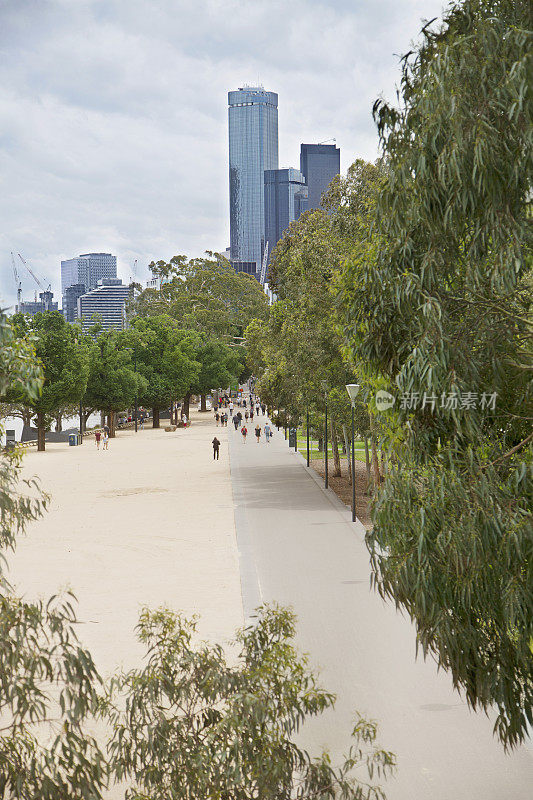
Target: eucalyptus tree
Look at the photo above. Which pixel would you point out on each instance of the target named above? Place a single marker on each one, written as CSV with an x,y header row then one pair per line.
x,y
203,294
436,305
195,724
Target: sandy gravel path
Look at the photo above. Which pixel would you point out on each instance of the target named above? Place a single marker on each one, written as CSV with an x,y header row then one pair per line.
x,y
150,522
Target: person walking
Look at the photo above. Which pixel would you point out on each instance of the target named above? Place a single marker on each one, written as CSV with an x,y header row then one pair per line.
x,y
246,416
263,408
268,433
257,409
216,448
244,432
230,409
106,440
251,415
217,418
258,433
235,421
97,437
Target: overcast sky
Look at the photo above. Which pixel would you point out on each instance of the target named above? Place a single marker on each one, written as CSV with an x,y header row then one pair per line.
x,y
113,130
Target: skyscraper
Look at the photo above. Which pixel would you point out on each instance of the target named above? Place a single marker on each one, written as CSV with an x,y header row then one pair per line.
x,y
285,200
319,163
87,270
253,148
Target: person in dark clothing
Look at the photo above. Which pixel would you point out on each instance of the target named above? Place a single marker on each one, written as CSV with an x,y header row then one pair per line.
x,y
263,407
235,421
216,448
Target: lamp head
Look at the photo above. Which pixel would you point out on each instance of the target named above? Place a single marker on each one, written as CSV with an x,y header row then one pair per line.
x,y
353,391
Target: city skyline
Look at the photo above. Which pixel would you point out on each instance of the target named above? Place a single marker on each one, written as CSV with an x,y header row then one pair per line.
x,y
126,151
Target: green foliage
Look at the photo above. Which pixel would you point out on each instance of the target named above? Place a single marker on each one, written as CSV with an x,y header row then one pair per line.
x,y
113,382
205,295
166,357
48,684
437,300
195,726
300,346
63,356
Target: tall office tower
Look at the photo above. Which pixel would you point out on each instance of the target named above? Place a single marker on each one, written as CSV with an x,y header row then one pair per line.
x,y
319,163
87,269
106,304
285,200
70,301
253,148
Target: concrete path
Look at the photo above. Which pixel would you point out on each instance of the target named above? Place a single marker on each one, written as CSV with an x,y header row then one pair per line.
x,y
298,546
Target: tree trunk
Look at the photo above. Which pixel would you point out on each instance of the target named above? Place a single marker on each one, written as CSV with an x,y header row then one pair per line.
x,y
102,419
348,452
41,432
185,406
86,414
375,462
203,406
155,417
59,422
367,459
111,424
335,451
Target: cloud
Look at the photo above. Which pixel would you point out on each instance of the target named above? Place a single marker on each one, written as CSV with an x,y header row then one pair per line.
x,y
114,116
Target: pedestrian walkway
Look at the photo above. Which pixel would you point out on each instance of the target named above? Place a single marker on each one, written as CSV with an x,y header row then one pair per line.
x,y
298,547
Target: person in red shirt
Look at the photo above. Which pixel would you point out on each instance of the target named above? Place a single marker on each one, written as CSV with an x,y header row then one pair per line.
x,y
244,431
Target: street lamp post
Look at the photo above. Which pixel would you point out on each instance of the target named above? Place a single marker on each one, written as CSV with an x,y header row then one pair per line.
x,y
353,391
307,427
136,398
325,388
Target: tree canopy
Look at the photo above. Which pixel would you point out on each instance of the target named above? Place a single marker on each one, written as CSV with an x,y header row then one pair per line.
x,y
436,308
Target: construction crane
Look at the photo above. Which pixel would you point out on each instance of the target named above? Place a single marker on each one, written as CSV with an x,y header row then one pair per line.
x,y
264,266
328,140
134,271
35,278
18,282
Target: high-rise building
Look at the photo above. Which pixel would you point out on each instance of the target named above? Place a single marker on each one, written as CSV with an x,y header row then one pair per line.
x,y
319,163
87,270
106,305
253,148
70,301
285,200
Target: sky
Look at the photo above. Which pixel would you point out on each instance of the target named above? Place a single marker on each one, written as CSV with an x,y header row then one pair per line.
x,y
113,114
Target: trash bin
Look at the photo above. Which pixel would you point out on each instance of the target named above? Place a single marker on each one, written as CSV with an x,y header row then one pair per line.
x,y
72,439
80,438
292,437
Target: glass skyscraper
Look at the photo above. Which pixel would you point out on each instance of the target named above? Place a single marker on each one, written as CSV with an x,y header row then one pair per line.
x,y
319,163
253,148
285,200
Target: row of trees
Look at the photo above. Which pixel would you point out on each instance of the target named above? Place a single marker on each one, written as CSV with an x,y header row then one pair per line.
x,y
187,724
416,279
182,339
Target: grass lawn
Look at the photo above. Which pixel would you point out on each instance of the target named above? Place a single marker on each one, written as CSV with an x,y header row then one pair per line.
x,y
315,453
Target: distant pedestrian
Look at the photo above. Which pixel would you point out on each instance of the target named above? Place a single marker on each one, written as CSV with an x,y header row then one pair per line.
x,y
184,419
257,409
217,418
216,448
97,437
235,421
142,423
106,439
263,408
244,432
106,429
268,433
246,416
258,433
251,415
230,409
